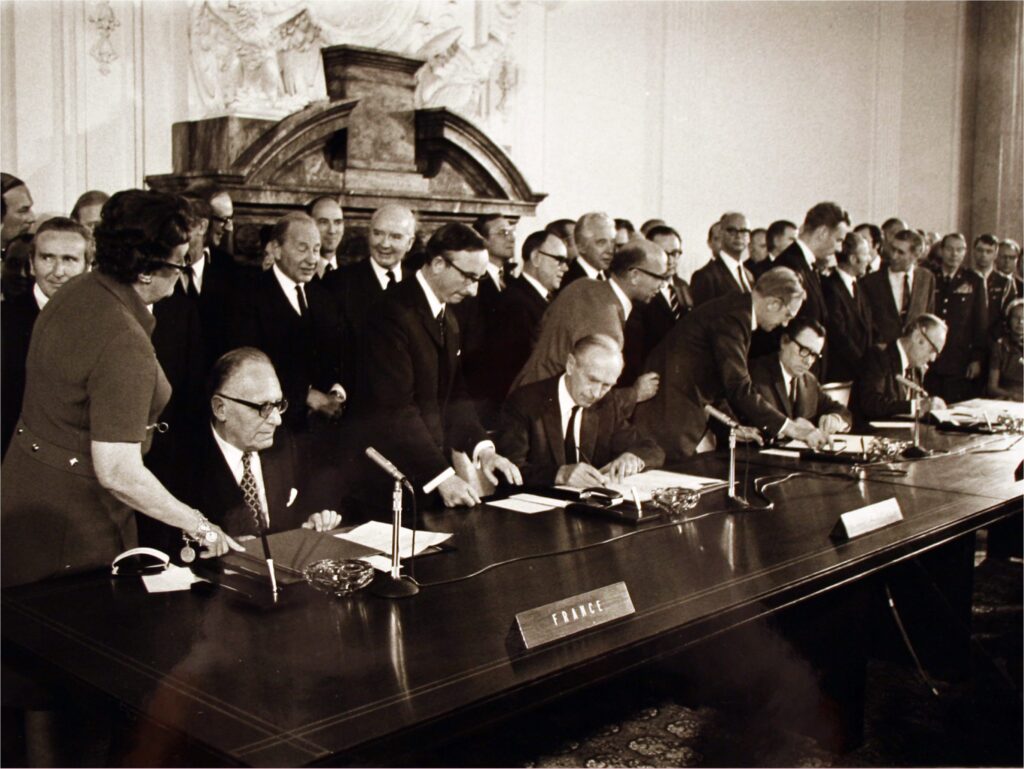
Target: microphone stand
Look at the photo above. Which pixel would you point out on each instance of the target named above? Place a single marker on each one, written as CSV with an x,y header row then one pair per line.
x,y
393,584
915,450
734,498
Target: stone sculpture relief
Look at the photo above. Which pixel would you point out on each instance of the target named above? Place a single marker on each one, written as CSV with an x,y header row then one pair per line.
x,y
102,18
261,58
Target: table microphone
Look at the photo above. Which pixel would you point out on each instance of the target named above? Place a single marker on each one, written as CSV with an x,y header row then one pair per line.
x,y
385,464
915,451
721,416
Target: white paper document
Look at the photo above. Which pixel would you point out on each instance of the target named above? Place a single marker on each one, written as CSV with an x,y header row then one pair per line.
x,y
528,503
377,535
841,444
994,408
892,425
170,579
650,481
781,453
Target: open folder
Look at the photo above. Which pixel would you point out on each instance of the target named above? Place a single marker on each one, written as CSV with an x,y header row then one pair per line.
x,y
293,551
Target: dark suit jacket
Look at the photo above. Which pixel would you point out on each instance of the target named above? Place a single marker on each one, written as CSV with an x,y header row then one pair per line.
x,y
215,492
885,315
17,317
416,406
962,302
876,393
575,272
223,278
507,347
714,280
757,269
1000,291
849,329
305,351
812,402
814,305
531,433
704,360
658,318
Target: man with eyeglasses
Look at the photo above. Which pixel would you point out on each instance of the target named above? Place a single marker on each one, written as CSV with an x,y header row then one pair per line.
x,y
222,223
725,273
520,308
784,379
588,307
247,473
703,361
416,409
877,394
674,299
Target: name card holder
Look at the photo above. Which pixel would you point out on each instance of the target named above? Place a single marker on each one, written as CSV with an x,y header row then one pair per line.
x,y
569,616
867,519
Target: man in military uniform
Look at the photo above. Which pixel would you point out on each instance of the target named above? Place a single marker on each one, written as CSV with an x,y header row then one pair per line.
x,y
961,302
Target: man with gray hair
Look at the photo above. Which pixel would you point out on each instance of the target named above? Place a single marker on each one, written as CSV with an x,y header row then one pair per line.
x,y
594,236
564,430
703,361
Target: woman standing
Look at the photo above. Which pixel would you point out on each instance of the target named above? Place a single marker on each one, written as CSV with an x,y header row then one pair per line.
x,y
73,473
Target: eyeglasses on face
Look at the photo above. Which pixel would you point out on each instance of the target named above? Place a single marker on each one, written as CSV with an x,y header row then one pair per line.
x,y
556,257
806,353
656,275
931,344
265,409
470,276
737,231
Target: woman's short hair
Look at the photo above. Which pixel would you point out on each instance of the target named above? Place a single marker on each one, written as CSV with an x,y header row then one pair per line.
x,y
138,229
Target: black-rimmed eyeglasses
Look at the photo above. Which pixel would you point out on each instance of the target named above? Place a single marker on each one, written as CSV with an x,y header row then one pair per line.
x,y
931,344
265,409
470,276
806,352
663,277
556,257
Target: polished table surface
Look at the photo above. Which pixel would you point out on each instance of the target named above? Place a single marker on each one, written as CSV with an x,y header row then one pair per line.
x,y
320,679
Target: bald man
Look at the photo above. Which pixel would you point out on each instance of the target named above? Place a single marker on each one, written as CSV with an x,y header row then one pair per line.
x,y
594,235
725,273
565,430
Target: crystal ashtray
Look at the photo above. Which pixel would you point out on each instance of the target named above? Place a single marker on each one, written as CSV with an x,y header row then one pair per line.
x,y
338,578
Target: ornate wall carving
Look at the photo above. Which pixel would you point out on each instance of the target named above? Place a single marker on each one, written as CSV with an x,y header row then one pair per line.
x,y
103,20
261,58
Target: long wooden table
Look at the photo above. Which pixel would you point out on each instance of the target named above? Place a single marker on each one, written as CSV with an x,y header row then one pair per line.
x,y
324,680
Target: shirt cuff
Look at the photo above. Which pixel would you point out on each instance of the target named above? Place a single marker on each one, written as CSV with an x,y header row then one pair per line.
x,y
480,447
438,480
787,424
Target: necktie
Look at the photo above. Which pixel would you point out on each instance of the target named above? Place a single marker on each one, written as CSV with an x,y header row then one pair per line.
x,y
673,303
303,307
391,278
250,492
571,454
744,284
905,302
853,290
600,275
440,325
792,395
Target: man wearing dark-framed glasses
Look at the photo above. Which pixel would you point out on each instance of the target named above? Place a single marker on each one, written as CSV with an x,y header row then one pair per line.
x,y
785,380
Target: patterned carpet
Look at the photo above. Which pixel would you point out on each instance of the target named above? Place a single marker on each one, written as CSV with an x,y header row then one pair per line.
x,y
643,722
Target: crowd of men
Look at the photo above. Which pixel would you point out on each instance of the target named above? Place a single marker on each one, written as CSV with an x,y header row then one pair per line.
x,y
579,357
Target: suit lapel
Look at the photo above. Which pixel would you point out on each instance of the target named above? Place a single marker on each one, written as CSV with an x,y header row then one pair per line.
x,y
551,418
588,434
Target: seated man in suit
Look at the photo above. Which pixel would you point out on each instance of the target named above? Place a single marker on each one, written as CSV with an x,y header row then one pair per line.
x,y
877,393
725,272
416,408
786,382
58,253
849,316
247,468
703,361
563,430
900,292
520,309
587,307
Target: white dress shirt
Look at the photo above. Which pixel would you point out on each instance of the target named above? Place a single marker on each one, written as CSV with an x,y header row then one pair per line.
x,y
288,287
588,270
40,297
627,305
536,284
199,269
565,405
734,266
847,279
382,273
896,285
233,456
495,272
808,254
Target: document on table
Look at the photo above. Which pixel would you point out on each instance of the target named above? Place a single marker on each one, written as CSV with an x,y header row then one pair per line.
x,y
649,481
170,579
528,503
377,535
975,410
841,444
892,425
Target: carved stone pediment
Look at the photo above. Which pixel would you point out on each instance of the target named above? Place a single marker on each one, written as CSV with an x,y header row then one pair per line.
x,y
367,144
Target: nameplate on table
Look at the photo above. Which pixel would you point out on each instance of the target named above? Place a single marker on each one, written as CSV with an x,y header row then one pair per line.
x,y
569,616
867,519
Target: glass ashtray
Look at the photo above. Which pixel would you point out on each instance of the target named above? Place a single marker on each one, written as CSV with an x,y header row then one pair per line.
x,y
676,501
338,578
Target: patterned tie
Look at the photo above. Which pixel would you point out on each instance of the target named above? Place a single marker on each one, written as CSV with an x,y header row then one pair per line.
x,y
571,454
744,284
673,303
905,301
440,326
303,307
250,492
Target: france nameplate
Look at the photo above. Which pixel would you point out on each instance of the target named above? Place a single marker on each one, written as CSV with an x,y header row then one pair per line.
x,y
569,616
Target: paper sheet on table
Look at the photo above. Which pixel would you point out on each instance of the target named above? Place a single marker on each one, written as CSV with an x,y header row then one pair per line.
x,y
650,481
994,408
377,535
892,425
528,503
781,453
171,579
841,444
